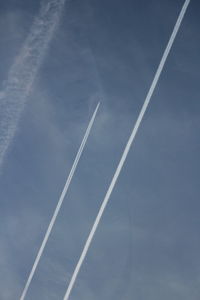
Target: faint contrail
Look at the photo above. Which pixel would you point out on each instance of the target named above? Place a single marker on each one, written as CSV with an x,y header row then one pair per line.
x,y
126,150
53,219
22,74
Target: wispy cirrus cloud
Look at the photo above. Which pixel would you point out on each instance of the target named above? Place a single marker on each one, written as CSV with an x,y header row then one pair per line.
x,y
21,76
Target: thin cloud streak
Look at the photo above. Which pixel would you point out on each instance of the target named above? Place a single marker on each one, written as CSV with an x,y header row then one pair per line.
x,y
126,150
64,192
21,76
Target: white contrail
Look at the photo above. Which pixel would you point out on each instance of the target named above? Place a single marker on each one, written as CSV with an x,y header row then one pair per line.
x,y
53,219
126,150
22,74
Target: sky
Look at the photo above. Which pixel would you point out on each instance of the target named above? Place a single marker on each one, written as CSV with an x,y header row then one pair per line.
x,y
147,245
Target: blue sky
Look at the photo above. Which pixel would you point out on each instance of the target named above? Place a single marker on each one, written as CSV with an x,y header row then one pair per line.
x,y
147,245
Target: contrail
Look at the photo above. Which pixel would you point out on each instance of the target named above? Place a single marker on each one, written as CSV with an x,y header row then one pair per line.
x,y
53,219
24,70
126,150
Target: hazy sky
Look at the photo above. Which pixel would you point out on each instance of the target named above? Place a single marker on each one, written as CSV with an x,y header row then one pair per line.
x,y
147,245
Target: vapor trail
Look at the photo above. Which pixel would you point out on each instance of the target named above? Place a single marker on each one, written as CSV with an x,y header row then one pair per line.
x,y
53,219
23,72
126,150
